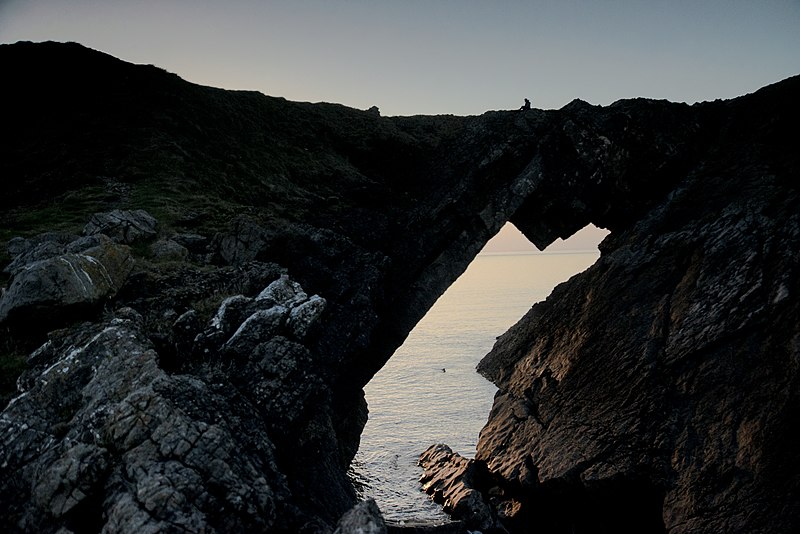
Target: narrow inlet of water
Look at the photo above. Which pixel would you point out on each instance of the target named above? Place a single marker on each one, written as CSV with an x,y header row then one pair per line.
x,y
429,391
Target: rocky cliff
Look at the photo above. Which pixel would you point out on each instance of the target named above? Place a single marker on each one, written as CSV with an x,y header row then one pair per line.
x,y
662,383
240,266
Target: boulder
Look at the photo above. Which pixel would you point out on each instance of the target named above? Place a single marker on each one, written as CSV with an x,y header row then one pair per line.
x,y
457,484
256,329
304,315
48,289
123,226
25,251
80,244
283,292
232,313
243,243
244,322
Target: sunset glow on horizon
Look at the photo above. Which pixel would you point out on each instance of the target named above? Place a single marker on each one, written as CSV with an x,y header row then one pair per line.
x,y
510,240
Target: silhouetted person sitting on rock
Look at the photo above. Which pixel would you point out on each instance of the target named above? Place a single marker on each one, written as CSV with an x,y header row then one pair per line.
x,y
526,106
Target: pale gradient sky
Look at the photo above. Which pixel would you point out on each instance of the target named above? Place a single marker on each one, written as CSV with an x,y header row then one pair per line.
x,y
439,56
509,239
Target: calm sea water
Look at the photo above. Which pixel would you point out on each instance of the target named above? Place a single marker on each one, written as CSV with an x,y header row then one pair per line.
x,y
429,392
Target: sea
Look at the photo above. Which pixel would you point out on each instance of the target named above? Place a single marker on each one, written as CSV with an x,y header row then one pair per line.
x,y
429,391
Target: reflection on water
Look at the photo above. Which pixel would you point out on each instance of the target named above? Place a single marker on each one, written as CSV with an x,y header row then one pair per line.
x,y
429,391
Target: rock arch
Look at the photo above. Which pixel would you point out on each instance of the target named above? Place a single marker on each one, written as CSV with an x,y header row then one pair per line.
x,y
377,216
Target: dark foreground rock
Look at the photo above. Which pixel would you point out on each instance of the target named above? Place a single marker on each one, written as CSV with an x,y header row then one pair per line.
x,y
106,439
217,381
102,437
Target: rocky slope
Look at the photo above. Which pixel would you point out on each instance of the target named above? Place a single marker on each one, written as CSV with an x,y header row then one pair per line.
x,y
214,381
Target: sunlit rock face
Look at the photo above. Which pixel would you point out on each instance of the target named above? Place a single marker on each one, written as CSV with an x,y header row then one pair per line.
x,y
313,238
666,374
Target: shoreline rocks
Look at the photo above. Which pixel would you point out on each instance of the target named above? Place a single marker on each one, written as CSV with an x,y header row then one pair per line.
x,y
458,485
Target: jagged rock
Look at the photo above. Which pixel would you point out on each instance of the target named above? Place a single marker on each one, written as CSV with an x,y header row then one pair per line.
x,y
260,326
279,376
232,313
43,247
42,251
363,518
49,288
283,292
302,316
652,392
126,227
457,484
282,307
175,460
244,243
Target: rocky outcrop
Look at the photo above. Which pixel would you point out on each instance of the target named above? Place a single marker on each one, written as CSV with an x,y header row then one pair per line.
x,y
122,226
653,392
105,438
666,393
652,378
102,436
51,281
459,484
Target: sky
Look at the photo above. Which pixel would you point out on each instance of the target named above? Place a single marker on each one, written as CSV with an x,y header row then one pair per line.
x,y
511,240
459,57
438,56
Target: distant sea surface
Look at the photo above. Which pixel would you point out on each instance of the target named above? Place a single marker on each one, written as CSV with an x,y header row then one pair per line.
x,y
429,392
